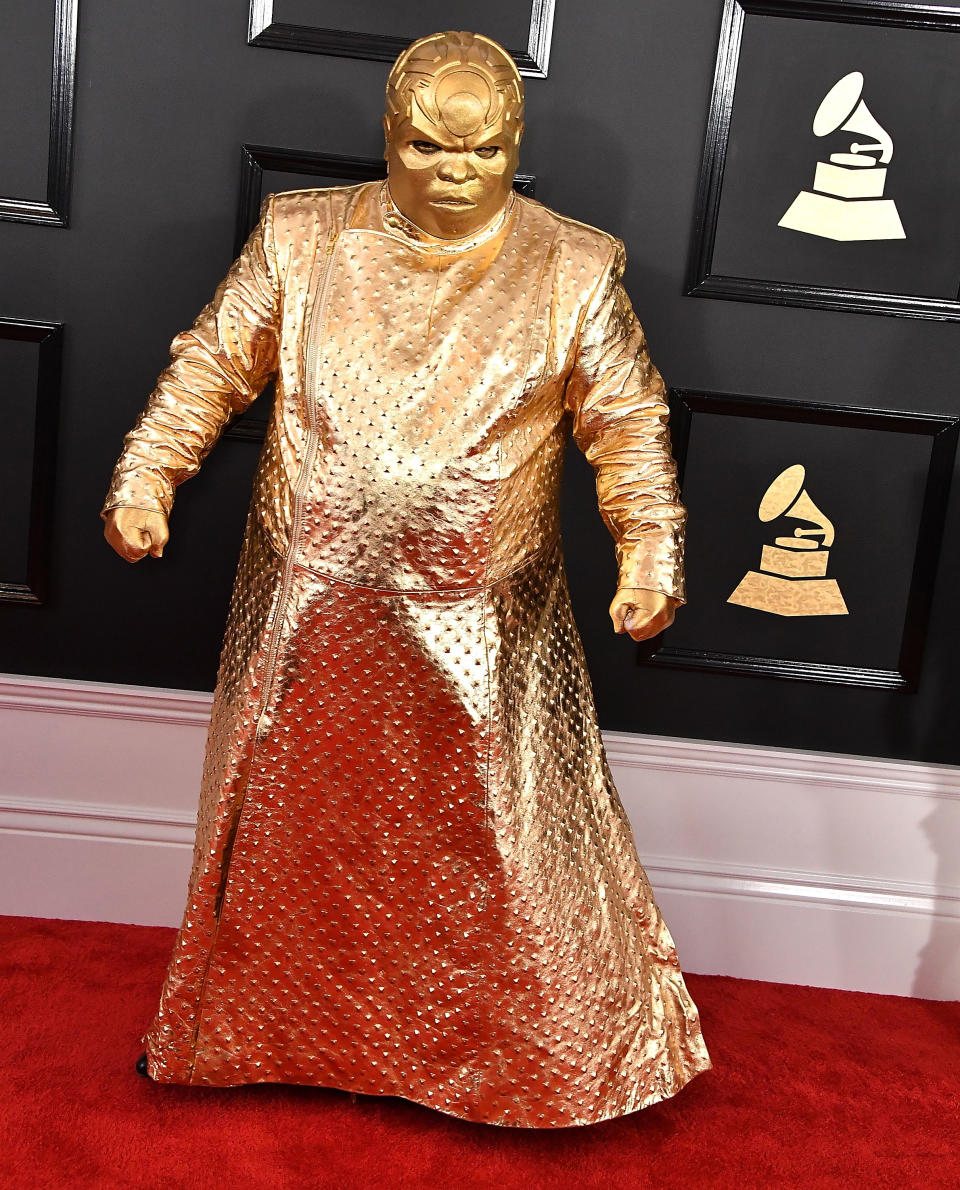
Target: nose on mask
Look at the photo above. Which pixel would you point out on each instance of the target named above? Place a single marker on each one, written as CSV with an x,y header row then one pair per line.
x,y
456,170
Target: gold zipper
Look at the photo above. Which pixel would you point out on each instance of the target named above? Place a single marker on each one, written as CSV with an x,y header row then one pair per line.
x,y
302,480
313,342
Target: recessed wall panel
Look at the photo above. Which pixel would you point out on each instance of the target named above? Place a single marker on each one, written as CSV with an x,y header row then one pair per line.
x,y
29,396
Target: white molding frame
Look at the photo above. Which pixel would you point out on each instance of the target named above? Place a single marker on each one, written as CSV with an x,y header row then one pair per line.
x,y
133,825
729,915
61,696
750,762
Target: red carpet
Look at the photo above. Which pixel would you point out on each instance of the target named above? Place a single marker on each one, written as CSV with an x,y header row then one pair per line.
x,y
810,1088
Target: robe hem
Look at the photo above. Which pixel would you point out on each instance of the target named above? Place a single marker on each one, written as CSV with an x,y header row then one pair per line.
x,y
683,1076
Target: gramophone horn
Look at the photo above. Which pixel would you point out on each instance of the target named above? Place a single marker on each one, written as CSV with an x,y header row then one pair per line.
x,y
782,492
786,496
864,123
804,509
838,104
843,107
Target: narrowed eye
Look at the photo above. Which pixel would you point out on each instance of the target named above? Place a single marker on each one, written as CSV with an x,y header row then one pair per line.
x,y
487,151
425,146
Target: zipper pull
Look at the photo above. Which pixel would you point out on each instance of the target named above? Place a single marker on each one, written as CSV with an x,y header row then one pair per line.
x,y
331,242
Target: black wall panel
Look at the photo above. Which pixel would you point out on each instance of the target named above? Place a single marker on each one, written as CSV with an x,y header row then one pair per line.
x,y
379,31
37,77
29,398
167,95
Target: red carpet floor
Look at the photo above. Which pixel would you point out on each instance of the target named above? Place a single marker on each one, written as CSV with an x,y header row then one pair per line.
x,y
810,1088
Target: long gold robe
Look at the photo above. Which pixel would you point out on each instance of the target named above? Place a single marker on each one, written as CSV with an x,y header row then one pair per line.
x,y
413,875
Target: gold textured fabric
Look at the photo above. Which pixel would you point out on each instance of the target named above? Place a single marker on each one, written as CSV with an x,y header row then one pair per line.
x,y
413,875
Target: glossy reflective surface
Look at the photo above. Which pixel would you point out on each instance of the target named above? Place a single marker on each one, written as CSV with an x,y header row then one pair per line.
x,y
413,874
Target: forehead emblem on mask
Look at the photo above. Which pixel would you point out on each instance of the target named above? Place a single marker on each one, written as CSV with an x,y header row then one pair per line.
x,y
462,82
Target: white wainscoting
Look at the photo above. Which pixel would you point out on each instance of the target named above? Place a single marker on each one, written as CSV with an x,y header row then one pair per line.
x,y
801,867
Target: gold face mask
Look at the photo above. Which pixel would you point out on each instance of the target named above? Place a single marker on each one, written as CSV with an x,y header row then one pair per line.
x,y
453,125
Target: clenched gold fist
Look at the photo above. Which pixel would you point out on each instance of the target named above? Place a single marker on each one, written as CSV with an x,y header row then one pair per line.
x,y
136,532
642,613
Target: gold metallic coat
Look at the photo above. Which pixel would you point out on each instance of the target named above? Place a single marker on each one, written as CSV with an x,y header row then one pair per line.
x,y
413,875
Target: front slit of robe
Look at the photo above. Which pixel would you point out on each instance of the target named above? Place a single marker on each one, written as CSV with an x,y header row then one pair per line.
x,y
274,633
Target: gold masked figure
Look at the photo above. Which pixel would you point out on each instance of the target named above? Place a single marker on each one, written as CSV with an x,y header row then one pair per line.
x,y
413,875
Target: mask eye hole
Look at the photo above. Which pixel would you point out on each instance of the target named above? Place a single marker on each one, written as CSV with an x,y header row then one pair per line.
x,y
427,147
487,151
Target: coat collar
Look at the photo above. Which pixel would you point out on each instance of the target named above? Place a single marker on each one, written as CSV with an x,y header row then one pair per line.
x,y
396,222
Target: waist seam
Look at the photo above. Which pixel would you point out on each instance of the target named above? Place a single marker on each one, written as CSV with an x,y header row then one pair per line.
x,y
529,560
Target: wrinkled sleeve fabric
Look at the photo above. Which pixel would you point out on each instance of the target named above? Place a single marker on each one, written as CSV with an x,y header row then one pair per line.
x,y
618,402
216,369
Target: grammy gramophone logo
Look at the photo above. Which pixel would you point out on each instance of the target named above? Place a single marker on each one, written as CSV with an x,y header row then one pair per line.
x,y
847,201
792,579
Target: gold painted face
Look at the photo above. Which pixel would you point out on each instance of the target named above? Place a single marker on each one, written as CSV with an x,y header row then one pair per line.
x,y
453,128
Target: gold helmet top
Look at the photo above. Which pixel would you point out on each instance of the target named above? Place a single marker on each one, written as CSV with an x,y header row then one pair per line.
x,y
463,82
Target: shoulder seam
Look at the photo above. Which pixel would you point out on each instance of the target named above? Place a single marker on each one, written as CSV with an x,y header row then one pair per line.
x,y
321,190
568,220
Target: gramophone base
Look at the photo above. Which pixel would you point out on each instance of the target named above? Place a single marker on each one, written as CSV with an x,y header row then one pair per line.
x,y
789,597
844,218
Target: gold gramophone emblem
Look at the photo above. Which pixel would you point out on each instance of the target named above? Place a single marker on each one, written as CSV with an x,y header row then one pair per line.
x,y
846,202
792,578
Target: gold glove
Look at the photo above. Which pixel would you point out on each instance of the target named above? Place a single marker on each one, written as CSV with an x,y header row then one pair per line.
x,y
136,532
641,613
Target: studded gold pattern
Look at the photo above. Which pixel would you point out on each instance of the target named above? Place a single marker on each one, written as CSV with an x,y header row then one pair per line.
x,y
413,875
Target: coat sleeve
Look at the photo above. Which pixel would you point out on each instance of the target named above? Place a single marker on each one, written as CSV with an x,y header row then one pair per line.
x,y
620,421
216,369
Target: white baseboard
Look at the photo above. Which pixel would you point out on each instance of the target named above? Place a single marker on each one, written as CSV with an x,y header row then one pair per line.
x,y
801,867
